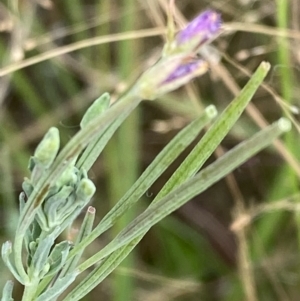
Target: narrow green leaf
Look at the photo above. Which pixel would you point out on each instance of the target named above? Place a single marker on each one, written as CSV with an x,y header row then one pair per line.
x,y
94,278
7,291
47,149
98,107
58,257
58,288
39,259
191,188
149,176
85,230
6,250
215,133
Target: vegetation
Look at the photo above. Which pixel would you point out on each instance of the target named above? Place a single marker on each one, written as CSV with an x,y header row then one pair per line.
x,y
157,183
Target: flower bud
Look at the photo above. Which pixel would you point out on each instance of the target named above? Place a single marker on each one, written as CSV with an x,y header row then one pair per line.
x,y
69,176
169,74
47,149
199,31
86,189
98,107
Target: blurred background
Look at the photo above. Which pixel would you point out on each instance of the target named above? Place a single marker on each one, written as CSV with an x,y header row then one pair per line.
x,y
240,240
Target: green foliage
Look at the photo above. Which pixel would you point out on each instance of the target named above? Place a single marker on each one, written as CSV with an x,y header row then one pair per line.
x,y
45,255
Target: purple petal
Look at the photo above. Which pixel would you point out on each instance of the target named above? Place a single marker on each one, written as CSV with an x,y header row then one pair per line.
x,y
170,73
206,26
184,70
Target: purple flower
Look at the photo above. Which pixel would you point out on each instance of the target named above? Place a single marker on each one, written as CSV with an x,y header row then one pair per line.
x,y
199,31
169,74
205,26
179,63
186,71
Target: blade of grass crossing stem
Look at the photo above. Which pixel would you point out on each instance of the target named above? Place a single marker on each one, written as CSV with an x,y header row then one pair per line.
x,y
75,12
223,124
163,160
130,236
102,53
122,153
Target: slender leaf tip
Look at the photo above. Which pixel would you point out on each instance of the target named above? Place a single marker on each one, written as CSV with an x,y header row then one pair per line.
x,y
211,111
284,124
265,65
91,210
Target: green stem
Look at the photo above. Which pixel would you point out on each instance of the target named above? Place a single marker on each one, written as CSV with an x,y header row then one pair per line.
x,y
30,291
